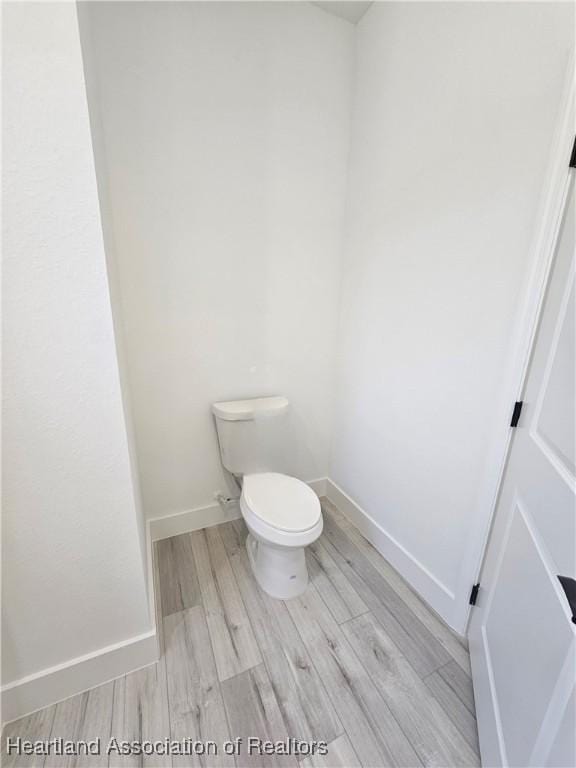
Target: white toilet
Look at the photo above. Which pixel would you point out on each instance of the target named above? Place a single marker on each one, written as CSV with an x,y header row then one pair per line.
x,y
282,513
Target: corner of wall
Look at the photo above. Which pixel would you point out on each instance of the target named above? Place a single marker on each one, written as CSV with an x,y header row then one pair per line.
x,y
114,293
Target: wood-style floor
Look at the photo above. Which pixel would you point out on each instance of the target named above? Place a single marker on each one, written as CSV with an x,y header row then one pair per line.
x,y
358,661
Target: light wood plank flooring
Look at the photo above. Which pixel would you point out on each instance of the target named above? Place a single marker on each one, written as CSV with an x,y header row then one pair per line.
x,y
358,662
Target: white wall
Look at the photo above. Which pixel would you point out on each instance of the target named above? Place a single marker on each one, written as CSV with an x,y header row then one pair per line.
x,y
225,137
73,574
455,105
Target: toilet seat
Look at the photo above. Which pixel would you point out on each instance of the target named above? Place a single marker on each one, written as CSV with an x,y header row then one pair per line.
x,y
281,509
281,501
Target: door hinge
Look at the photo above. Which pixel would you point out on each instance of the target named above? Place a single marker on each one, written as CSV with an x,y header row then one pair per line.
x,y
516,413
474,594
573,155
569,587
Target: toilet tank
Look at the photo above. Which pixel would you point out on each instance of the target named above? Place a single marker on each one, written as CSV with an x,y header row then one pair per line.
x,y
250,433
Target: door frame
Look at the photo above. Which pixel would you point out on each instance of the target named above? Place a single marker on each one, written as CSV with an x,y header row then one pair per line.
x,y
548,220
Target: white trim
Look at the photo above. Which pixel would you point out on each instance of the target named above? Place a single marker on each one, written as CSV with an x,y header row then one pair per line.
x,y
190,520
319,486
33,692
174,524
555,186
153,603
437,594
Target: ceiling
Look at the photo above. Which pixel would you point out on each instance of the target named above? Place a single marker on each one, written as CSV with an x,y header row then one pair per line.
x,y
351,11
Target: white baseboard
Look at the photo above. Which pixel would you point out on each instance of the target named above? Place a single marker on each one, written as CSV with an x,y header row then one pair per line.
x,y
191,520
204,517
431,589
24,696
318,486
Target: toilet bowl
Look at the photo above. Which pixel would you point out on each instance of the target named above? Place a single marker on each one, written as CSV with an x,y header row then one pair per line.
x,y
283,516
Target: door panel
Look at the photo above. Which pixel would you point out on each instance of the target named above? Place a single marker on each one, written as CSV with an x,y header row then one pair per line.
x,y
555,424
516,638
522,639
559,756
551,503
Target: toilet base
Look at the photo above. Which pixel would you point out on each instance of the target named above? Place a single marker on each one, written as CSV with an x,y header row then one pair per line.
x,y
280,571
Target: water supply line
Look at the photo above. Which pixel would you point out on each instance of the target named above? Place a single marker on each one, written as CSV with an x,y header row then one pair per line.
x,y
227,501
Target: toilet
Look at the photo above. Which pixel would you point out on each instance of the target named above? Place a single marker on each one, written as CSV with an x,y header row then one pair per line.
x,y
282,513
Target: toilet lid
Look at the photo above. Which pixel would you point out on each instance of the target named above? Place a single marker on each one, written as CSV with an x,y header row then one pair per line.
x,y
281,501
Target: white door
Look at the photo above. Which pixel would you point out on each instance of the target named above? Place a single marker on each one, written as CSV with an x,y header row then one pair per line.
x,y
522,639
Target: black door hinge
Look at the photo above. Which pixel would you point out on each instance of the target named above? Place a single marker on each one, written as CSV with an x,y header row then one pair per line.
x,y
516,413
573,155
474,594
569,587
